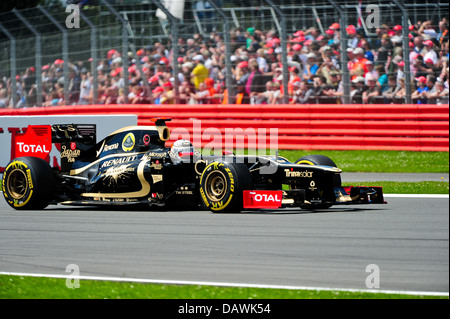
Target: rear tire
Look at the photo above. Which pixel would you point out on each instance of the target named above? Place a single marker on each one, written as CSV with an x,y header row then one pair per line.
x,y
28,183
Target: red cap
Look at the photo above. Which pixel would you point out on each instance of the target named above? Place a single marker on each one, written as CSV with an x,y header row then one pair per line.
x,y
111,53
351,29
158,89
297,47
243,64
335,26
422,79
397,27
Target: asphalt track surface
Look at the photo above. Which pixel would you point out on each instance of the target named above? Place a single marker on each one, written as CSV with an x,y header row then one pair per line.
x,y
408,240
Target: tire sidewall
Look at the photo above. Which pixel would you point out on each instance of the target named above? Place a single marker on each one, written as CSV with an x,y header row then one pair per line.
x,y
230,199
40,183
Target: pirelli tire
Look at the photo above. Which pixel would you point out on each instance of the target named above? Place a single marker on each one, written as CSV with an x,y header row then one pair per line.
x,y
222,185
28,183
320,160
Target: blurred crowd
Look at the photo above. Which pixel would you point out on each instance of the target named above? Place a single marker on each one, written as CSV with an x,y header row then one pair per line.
x,y
376,67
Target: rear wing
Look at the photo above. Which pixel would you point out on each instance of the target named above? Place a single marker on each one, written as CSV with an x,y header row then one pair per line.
x,y
65,133
72,140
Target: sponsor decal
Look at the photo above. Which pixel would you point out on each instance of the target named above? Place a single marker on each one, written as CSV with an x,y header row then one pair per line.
x,y
300,174
118,161
36,141
32,148
184,191
158,155
156,165
262,199
146,139
128,142
205,200
69,153
157,178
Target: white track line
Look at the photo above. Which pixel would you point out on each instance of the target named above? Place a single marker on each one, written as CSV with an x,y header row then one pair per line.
x,y
416,196
225,284
436,196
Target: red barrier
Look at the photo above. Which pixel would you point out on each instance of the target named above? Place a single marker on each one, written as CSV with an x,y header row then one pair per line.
x,y
311,127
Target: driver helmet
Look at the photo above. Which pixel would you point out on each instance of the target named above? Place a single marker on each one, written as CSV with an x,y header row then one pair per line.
x,y
183,148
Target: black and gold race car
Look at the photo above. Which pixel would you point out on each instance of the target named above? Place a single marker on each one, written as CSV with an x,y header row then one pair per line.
x,y
132,166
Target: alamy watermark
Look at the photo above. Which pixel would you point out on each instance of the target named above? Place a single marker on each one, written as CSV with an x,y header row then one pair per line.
x,y
73,280
73,19
373,19
373,279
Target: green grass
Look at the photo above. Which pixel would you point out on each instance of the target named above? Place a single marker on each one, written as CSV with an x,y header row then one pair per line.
x,y
407,188
381,161
19,287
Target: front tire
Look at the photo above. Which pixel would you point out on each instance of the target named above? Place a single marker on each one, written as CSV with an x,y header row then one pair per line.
x,y
320,160
28,183
222,185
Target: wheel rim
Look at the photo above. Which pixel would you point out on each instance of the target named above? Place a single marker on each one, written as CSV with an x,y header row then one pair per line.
x,y
216,186
17,184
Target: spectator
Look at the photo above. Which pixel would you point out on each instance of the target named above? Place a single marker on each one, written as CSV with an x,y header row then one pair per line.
x,y
442,36
420,94
200,72
267,96
418,46
384,51
382,77
255,83
439,94
242,96
214,95
4,101
370,95
242,72
357,89
86,89
431,54
319,86
391,92
311,67
401,93
202,96
156,94
168,94
303,92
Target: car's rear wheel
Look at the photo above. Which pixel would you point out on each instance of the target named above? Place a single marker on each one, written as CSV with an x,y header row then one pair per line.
x,y
28,183
222,185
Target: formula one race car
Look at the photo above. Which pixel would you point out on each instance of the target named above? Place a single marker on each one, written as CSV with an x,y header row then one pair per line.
x,y
132,166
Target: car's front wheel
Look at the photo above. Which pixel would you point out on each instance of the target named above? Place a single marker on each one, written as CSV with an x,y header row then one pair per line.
x,y
222,185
